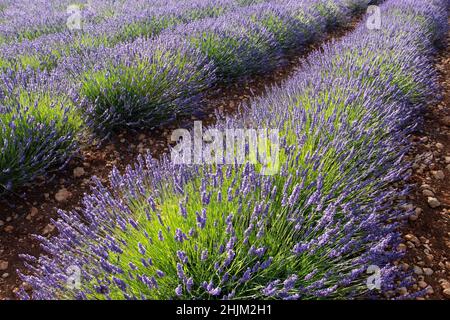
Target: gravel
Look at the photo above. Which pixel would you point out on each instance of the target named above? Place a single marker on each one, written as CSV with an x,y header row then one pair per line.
x,y
3,265
433,202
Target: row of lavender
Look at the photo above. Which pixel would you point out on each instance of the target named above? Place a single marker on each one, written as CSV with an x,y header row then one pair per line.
x,y
54,90
41,42
25,21
165,231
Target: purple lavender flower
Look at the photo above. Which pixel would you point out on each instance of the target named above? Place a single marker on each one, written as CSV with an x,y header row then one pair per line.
x,y
179,290
180,236
182,256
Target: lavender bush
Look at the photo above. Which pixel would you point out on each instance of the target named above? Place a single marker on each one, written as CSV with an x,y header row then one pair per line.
x,y
38,133
336,13
145,83
235,45
165,231
288,29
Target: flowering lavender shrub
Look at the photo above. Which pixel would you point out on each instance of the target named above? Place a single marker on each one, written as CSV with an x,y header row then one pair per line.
x,y
144,83
335,13
165,231
306,13
294,23
38,133
288,31
235,45
358,5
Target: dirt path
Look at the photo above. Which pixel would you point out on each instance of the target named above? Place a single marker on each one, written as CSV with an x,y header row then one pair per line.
x,y
427,237
29,210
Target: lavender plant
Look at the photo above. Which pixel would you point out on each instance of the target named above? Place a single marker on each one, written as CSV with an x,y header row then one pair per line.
x,y
289,32
144,83
166,231
235,45
335,13
38,133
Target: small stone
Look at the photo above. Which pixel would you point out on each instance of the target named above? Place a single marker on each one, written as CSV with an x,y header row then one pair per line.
x,y
439,145
446,121
439,174
422,284
3,265
412,238
416,214
33,212
403,291
427,193
424,240
446,293
447,159
9,229
407,207
78,172
448,167
429,258
62,195
389,294
401,247
48,229
1,223
410,245
418,270
433,202
5,275
444,284
428,271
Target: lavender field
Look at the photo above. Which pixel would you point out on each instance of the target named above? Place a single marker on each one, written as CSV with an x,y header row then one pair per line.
x,y
302,192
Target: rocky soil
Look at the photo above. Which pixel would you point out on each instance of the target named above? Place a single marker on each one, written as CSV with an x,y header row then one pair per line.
x,y
427,235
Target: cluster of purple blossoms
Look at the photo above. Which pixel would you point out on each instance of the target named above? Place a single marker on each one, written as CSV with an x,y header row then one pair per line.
x,y
38,129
